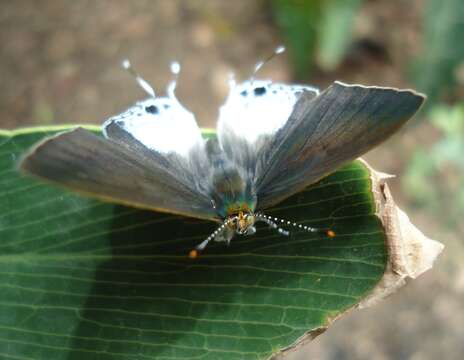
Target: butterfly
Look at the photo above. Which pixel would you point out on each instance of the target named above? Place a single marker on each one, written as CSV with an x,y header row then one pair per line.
x,y
272,140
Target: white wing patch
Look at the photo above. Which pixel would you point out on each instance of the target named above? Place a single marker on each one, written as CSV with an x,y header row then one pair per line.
x,y
258,107
161,124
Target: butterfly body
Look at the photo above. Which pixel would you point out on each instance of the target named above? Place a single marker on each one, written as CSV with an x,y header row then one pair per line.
x,y
272,140
230,190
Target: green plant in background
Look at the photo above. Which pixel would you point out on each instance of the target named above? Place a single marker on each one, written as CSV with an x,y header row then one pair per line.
x,y
320,31
315,30
298,22
435,71
335,31
435,176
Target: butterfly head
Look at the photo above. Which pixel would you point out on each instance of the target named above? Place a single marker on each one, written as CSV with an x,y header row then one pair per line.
x,y
242,223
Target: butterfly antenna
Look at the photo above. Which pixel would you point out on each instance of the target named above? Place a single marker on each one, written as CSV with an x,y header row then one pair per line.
x,y
201,246
232,82
279,50
175,70
268,220
142,83
273,221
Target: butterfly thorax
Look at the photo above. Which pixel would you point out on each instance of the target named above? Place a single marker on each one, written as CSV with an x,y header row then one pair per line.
x,y
233,196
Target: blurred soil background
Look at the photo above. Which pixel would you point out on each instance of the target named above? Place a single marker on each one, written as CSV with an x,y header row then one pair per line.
x,y
60,63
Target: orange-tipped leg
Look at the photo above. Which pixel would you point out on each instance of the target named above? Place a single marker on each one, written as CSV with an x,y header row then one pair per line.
x,y
193,254
330,233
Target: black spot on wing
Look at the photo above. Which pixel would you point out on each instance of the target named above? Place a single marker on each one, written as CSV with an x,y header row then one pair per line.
x,y
244,93
259,90
152,109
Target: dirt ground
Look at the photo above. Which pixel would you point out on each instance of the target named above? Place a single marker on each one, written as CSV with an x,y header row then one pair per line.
x,y
60,63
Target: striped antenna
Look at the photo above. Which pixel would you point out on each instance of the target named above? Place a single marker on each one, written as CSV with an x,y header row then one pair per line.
x,y
201,246
273,223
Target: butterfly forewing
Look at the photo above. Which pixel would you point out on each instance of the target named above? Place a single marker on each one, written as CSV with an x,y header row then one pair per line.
x,y
130,168
326,131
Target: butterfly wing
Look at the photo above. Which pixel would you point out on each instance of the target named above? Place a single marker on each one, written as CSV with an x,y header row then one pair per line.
x,y
153,157
161,125
251,116
326,131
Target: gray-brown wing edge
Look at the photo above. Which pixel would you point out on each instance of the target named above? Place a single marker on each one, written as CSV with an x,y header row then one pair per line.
x,y
99,168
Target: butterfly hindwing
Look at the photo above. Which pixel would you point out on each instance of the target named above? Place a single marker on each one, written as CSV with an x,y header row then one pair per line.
x,y
251,116
161,124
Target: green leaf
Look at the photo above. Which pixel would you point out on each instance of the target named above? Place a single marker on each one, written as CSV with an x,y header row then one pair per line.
x,y
82,279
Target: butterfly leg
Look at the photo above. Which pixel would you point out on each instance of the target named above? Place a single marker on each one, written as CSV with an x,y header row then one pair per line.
x,y
225,235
